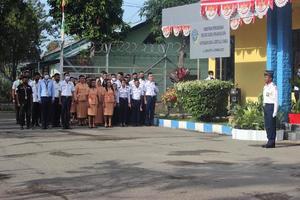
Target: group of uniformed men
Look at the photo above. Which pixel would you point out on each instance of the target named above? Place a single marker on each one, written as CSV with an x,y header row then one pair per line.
x,y
43,100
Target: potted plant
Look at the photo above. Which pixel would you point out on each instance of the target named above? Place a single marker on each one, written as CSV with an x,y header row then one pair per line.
x,y
248,122
294,116
169,98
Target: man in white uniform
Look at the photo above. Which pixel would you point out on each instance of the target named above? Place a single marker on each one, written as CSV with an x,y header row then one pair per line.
x,y
66,95
210,76
36,107
142,84
151,91
137,94
270,95
56,104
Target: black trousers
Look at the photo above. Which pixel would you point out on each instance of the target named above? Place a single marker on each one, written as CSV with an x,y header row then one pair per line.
x,y
143,113
46,114
135,112
36,113
270,123
123,110
25,113
115,117
128,117
150,109
65,112
17,110
56,113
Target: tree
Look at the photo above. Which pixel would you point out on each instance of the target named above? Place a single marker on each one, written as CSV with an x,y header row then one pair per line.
x,y
21,31
97,20
152,11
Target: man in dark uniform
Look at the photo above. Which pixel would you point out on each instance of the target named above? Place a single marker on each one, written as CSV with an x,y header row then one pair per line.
x,y
270,95
24,101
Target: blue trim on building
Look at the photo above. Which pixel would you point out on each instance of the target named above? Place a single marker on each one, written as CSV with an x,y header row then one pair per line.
x,y
208,128
191,126
174,124
272,41
279,52
284,56
227,130
161,122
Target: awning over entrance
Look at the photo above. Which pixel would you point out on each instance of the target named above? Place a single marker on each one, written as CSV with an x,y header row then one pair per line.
x,y
239,11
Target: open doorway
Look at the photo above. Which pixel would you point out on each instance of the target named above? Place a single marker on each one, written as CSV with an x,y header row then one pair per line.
x,y
227,64
296,50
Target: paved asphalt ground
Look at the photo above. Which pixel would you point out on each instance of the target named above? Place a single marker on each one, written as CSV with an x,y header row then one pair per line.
x,y
142,163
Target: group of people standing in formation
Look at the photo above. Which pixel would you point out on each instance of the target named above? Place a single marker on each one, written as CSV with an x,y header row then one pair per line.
x,y
111,99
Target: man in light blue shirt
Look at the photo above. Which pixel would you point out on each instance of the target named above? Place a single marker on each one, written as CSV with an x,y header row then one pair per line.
x,y
46,96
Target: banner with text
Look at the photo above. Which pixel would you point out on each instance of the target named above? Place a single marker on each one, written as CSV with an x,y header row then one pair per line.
x,y
210,39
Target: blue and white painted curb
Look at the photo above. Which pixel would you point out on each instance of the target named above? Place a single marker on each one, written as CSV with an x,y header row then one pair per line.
x,y
196,126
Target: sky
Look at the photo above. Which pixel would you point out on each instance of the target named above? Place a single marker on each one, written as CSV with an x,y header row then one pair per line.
x,y
131,11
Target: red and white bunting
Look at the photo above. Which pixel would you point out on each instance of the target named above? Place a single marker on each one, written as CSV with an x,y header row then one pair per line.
x,y
248,20
166,31
227,10
211,12
246,10
186,30
261,8
176,30
237,11
281,3
235,23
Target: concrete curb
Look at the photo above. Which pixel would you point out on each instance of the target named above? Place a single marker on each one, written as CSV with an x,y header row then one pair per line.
x,y
195,126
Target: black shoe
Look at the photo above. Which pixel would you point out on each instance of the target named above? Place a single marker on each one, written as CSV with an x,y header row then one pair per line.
x,y
270,146
28,127
22,128
264,146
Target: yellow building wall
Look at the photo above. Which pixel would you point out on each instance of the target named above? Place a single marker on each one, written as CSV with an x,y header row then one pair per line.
x,y
296,14
250,55
250,58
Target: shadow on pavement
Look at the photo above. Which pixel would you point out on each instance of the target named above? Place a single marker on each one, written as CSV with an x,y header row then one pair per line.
x,y
111,177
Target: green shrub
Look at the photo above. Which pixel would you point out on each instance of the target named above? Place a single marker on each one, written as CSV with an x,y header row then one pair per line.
x,y
5,90
249,116
204,99
296,107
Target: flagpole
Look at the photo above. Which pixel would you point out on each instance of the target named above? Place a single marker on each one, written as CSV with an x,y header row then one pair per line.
x,y
61,64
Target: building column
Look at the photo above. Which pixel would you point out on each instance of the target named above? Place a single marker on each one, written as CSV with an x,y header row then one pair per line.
x,y
272,41
284,56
